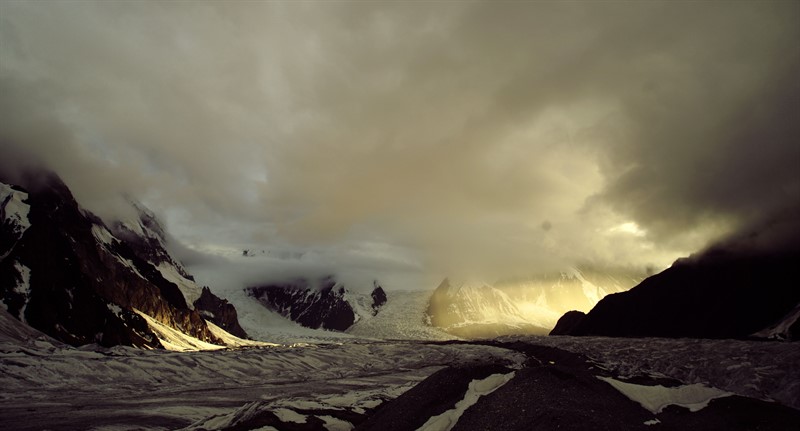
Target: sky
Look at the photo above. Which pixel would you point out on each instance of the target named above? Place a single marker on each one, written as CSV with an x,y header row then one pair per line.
x,y
486,138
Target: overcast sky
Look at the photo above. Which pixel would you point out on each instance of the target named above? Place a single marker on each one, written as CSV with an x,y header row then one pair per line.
x,y
486,137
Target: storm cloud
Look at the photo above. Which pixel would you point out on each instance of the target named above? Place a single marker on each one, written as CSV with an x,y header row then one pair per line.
x,y
492,137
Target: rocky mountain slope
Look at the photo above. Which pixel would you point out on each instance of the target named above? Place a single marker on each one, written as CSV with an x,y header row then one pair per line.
x,y
148,239
324,305
64,272
738,288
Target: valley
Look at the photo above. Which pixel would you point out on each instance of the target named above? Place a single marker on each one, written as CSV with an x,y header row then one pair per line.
x,y
362,384
387,215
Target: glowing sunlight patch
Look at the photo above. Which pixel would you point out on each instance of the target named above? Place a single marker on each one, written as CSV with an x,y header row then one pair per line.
x,y
630,228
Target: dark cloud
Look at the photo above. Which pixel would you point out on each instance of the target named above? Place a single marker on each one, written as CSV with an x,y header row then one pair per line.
x,y
637,130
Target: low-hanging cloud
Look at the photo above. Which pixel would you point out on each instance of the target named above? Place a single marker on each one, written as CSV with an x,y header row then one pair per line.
x,y
457,130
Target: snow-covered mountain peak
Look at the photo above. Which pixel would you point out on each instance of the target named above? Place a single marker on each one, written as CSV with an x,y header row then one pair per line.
x,y
143,227
465,287
464,307
147,235
534,302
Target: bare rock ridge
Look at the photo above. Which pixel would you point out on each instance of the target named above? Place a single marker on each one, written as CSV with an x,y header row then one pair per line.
x,y
66,274
147,237
220,312
740,288
323,305
378,297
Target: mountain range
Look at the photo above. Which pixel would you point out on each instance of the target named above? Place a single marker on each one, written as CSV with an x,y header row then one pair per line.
x,y
67,273
81,280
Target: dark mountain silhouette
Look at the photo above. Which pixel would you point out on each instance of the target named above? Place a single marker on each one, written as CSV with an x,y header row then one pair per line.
x,y
743,286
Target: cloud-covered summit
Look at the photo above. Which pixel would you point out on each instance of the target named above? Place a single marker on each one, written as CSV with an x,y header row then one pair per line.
x,y
491,136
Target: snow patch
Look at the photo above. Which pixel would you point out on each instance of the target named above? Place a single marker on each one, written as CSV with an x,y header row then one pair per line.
x,y
191,292
103,235
477,388
175,340
129,264
333,424
652,422
114,308
231,340
360,303
694,397
134,226
287,415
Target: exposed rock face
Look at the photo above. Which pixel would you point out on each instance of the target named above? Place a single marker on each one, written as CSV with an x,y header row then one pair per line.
x,y
378,297
734,290
327,306
147,238
70,277
323,308
567,323
220,312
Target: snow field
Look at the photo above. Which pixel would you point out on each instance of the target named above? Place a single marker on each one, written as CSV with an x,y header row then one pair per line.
x,y
401,318
40,366
210,388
